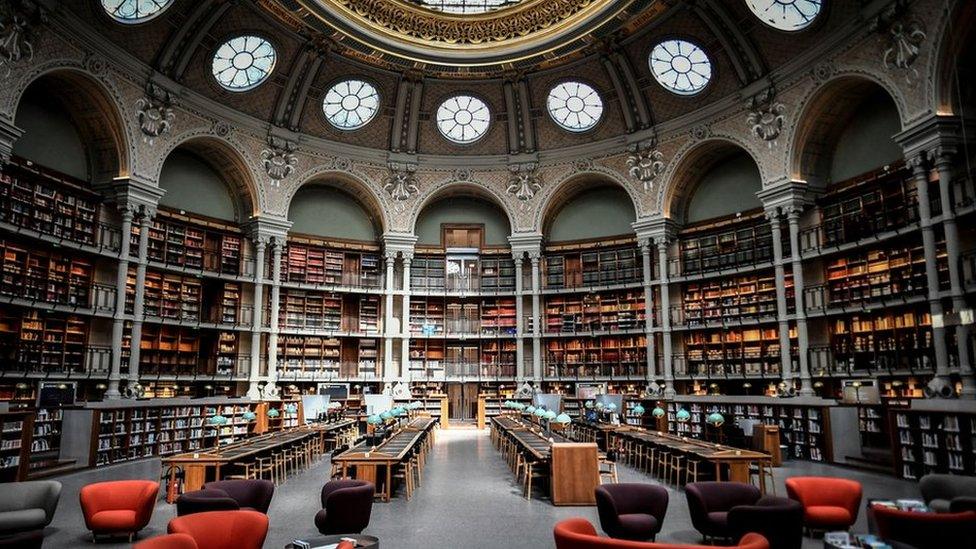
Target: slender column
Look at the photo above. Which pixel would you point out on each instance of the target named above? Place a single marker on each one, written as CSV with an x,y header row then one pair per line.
x,y
118,319
921,175
802,336
645,248
390,289
137,303
276,245
519,319
943,164
257,323
667,351
786,365
405,328
534,258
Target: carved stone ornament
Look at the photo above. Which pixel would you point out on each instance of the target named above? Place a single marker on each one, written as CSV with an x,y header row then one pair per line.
x,y
700,132
904,44
583,164
766,117
221,128
823,71
402,182
154,112
279,159
96,64
524,181
18,19
462,174
645,163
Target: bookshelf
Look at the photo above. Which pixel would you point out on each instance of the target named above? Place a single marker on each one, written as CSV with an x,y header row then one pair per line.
x,y
428,273
40,341
168,296
329,311
49,203
591,267
744,351
192,243
305,262
596,356
497,274
872,426
727,243
323,357
446,316
731,300
170,351
894,339
50,277
427,358
16,429
595,312
936,441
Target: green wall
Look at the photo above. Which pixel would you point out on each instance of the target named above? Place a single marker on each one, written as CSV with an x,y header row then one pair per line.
x,y
462,209
865,143
192,185
327,211
50,139
729,187
594,213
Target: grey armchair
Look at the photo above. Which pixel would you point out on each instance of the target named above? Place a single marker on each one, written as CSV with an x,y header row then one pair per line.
x,y
948,493
28,505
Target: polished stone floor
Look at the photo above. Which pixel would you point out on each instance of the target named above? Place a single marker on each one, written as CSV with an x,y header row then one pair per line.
x,y
468,500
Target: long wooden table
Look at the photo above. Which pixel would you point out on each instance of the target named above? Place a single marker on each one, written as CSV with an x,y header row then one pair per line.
x,y
574,467
736,460
328,431
369,460
197,465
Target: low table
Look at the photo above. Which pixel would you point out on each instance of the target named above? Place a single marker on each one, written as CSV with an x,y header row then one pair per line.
x,y
364,542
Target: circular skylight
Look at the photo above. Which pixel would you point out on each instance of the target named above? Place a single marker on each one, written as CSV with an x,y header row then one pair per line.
x,y
463,119
680,66
465,6
787,15
350,104
575,106
243,62
134,11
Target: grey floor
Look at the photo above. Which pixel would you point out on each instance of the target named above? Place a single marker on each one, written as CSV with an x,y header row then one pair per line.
x,y
468,500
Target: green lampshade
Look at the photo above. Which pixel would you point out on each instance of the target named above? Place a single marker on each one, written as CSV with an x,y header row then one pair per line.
x,y
539,412
683,415
611,407
550,415
519,406
249,416
415,405
715,419
530,409
291,408
400,411
588,404
374,420
387,415
658,412
219,420
600,406
638,410
273,412
564,419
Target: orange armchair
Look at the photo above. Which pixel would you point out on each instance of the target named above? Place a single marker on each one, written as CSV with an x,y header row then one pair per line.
x,y
223,529
118,507
578,533
828,503
169,541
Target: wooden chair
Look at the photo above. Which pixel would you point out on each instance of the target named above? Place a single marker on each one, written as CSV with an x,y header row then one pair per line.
x,y
608,470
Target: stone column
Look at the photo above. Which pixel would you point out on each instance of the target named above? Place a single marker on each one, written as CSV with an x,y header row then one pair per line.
x,y
145,221
802,335
9,134
389,285
253,392
118,319
921,174
276,246
519,318
662,244
534,258
405,328
786,365
944,166
645,248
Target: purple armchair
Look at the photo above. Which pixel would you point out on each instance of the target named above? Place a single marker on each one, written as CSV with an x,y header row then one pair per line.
x,y
779,520
710,502
346,506
227,495
631,511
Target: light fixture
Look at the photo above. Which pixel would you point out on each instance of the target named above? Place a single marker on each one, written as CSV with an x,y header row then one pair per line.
x,y
683,415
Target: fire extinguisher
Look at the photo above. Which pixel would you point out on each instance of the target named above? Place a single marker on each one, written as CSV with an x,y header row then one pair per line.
x,y
174,483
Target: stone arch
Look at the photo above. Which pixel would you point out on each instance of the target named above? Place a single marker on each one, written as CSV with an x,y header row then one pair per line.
x,y
836,99
565,189
955,42
95,111
688,168
226,159
469,188
354,185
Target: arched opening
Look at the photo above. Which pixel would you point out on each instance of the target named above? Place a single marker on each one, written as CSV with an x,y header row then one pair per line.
x,y
957,64
461,218
587,208
846,130
207,177
71,126
716,179
324,209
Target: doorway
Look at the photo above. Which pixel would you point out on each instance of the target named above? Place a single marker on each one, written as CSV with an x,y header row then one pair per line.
x,y
462,401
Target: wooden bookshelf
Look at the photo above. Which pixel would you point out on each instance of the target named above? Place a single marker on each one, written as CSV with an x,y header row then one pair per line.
x,y
733,299
319,357
40,341
618,356
329,311
895,338
309,263
427,357
894,272
428,273
933,442
444,316
727,243
873,427
49,203
598,266
743,351
16,429
192,243
50,277
170,350
497,274
594,312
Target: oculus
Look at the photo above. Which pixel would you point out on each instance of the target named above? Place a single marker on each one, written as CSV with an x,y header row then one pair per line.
x,y
465,6
350,104
243,62
134,11
463,119
680,66
575,106
786,15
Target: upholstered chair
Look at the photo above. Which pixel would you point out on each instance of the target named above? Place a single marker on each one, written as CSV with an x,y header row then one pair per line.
x,y
346,507
118,507
709,504
28,505
948,493
779,520
223,529
913,530
578,533
631,511
169,541
829,503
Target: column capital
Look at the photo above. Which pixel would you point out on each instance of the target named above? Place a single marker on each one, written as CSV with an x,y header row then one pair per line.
x,y
270,229
9,134
930,133
773,214
943,156
399,243
918,162
526,243
133,192
786,194
653,228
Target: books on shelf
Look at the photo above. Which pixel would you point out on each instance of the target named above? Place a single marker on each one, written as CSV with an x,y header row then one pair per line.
x,y
308,263
589,268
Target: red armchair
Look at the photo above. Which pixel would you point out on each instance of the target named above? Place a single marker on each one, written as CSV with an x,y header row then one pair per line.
x,y
578,533
169,541
223,529
828,503
118,507
907,529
